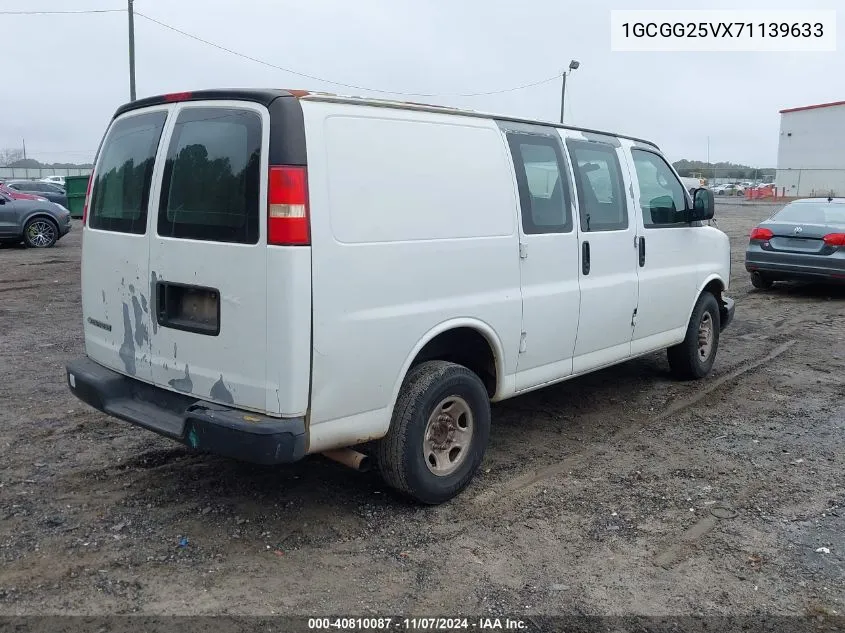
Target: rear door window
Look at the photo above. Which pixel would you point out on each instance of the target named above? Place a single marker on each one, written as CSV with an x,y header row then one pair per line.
x,y
121,188
601,195
543,191
210,188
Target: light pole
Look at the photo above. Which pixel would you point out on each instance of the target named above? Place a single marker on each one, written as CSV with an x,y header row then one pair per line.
x,y
573,65
131,13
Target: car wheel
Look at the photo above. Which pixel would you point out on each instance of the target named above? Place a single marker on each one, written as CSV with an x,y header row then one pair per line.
x,y
438,433
40,233
694,357
760,281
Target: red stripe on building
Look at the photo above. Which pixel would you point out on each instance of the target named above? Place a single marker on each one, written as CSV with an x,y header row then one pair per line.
x,y
813,107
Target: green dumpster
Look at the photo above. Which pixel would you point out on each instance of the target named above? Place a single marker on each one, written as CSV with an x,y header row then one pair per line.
x,y
76,187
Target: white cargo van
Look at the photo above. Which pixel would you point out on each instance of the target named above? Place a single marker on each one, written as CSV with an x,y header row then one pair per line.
x,y
271,274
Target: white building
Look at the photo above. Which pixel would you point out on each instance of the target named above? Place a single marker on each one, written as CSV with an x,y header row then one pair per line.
x,y
811,150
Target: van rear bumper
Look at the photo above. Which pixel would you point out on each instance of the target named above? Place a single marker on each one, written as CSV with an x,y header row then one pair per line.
x,y
205,426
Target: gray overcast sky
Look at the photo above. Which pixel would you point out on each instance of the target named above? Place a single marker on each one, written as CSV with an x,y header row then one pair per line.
x,y
66,74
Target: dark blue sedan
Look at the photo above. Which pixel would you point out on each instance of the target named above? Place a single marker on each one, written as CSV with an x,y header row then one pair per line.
x,y
804,241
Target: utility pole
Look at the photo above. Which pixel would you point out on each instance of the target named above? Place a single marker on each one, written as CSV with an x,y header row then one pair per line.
x,y
712,169
573,65
131,51
24,148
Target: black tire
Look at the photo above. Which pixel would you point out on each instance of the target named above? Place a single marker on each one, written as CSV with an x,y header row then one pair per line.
x,y
401,453
760,281
687,360
40,232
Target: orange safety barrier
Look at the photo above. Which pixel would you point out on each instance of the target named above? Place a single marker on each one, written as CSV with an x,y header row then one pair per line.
x,y
755,193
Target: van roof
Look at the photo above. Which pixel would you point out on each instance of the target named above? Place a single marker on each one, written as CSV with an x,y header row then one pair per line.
x,y
267,96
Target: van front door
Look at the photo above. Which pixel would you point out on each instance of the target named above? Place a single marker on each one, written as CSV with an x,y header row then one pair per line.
x,y
670,253
548,256
608,264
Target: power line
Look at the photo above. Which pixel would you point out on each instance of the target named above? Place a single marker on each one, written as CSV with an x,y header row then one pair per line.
x,y
283,68
81,11
339,83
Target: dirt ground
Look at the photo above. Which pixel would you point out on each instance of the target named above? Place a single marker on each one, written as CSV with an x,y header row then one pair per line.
x,y
619,493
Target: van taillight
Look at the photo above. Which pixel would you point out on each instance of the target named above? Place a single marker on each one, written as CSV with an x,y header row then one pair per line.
x,y
87,199
834,239
287,210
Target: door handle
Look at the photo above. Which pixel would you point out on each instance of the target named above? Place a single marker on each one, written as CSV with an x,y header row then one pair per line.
x,y
585,258
642,252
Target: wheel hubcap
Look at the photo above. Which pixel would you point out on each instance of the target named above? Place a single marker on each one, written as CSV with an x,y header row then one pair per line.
x,y
705,336
448,436
41,233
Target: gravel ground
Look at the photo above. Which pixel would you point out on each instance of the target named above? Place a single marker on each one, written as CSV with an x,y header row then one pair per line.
x,y
619,493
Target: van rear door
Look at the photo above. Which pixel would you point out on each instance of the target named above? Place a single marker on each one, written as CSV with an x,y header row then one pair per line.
x,y
116,303
208,255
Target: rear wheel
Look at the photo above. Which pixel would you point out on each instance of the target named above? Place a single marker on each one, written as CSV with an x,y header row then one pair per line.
x,y
40,233
759,280
438,433
694,357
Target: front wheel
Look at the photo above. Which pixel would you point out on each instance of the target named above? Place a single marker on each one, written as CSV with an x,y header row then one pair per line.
x,y
694,357
438,433
40,233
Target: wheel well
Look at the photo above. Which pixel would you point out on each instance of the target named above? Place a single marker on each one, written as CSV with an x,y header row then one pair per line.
x,y
464,346
43,215
715,288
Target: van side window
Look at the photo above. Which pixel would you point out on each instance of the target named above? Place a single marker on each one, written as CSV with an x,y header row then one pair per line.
x,y
598,180
121,189
543,190
210,188
662,197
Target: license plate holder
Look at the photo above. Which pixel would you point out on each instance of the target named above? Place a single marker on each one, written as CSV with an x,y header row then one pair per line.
x,y
188,308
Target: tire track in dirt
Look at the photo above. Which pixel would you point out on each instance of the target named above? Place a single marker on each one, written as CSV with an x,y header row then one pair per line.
x,y
669,556
533,477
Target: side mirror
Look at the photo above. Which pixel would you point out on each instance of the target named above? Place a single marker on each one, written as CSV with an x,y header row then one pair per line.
x,y
703,205
2,199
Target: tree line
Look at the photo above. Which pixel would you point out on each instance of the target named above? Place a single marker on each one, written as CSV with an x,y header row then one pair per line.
x,y
694,168
13,157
